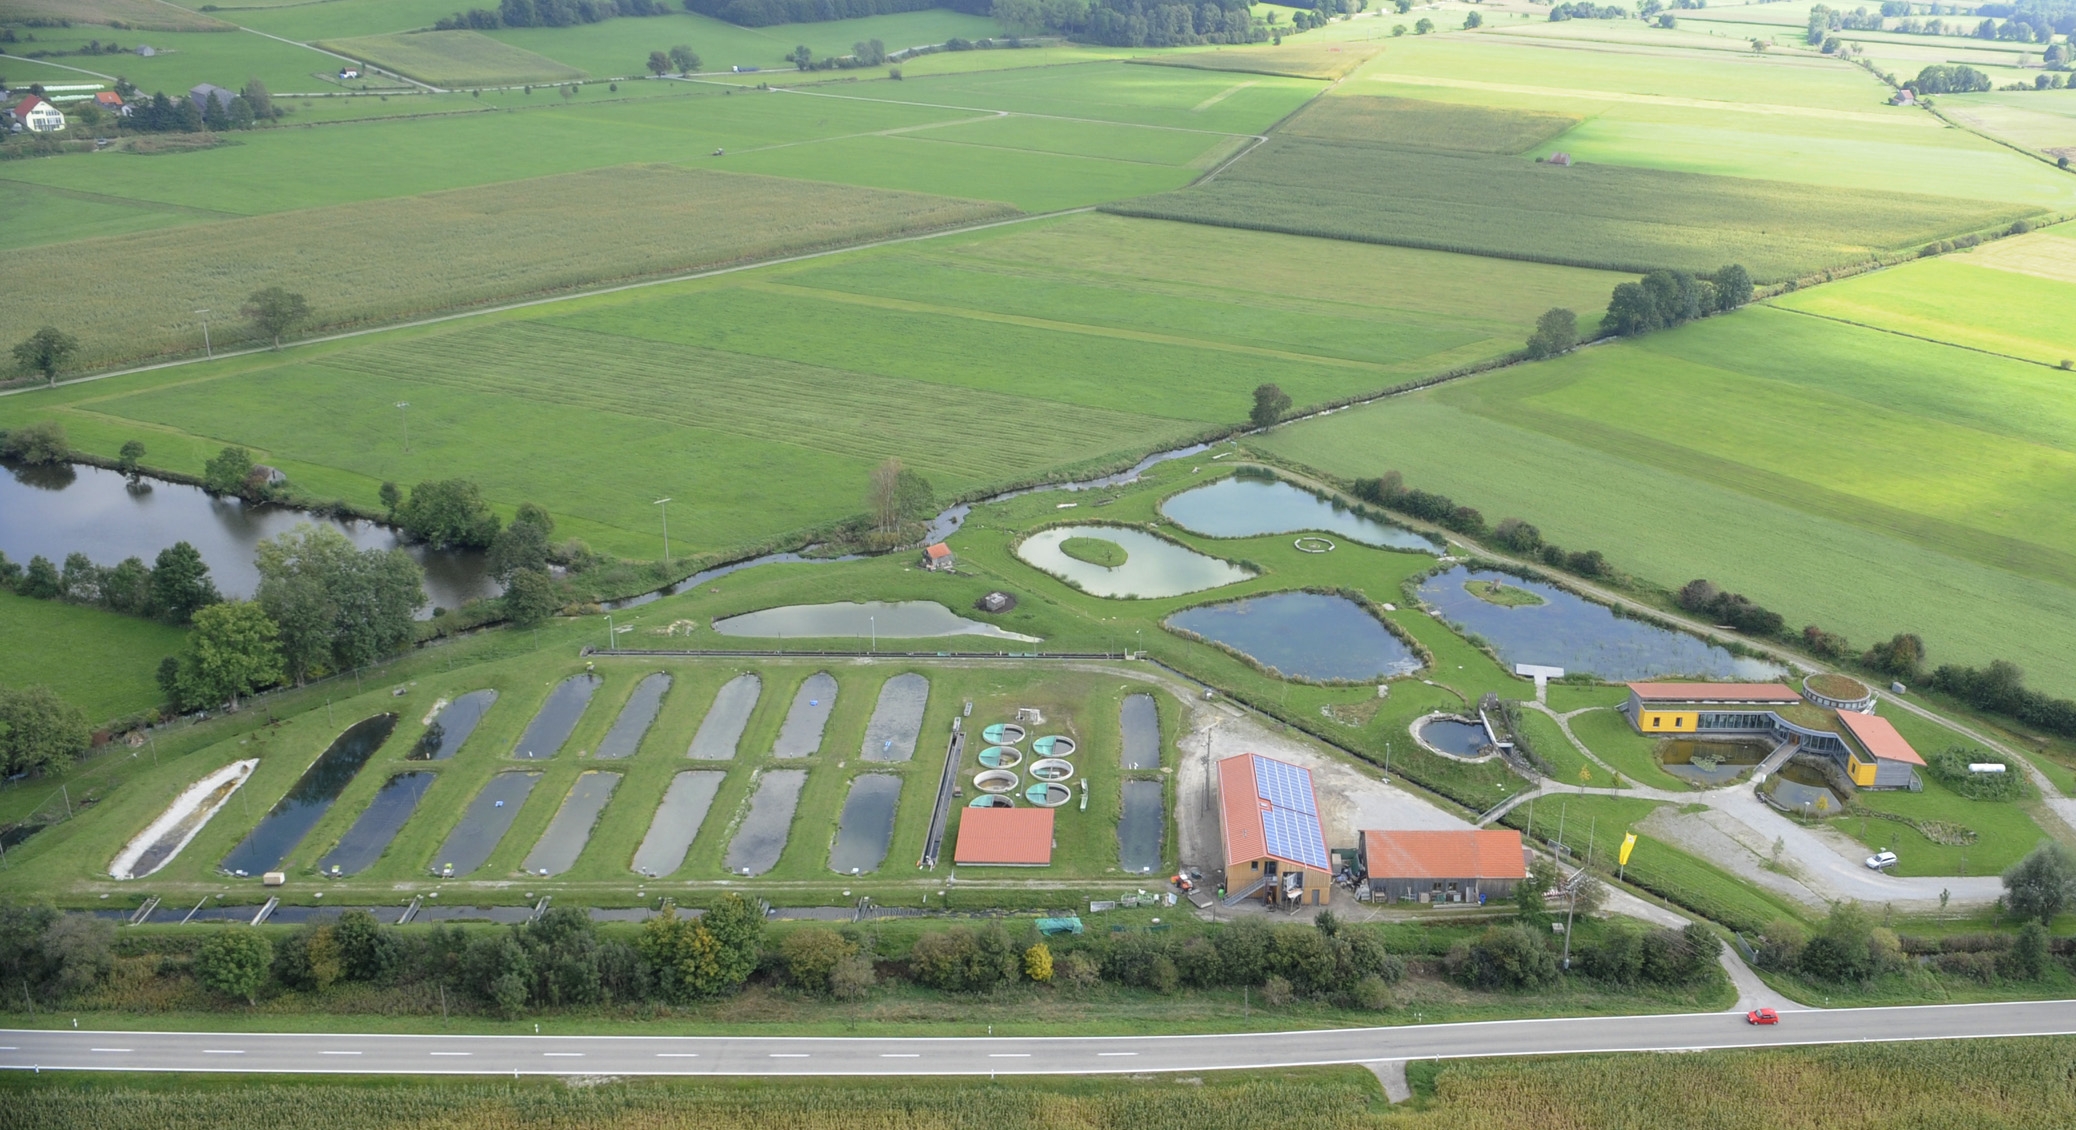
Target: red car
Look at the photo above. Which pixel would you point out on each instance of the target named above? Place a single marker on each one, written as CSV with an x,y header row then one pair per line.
x,y
1762,1016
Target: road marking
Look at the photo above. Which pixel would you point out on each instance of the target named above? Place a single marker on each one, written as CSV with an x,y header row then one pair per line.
x,y
108,1049
449,1053
677,1055
1117,1053
789,1055
223,1051
338,1053
1009,1055
576,1054
900,1055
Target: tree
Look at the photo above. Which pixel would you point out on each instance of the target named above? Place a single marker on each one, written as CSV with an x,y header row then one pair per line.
x,y
39,731
1630,311
127,458
1902,656
337,607
1733,287
803,59
705,956
1517,535
180,584
127,587
447,514
228,471
45,352
1038,963
883,496
2042,884
1543,876
523,544
684,59
1473,20
1270,403
273,311
232,652
964,960
1504,957
659,63
1556,331
530,598
37,444
812,954
1423,27
78,951
234,962
40,581
260,100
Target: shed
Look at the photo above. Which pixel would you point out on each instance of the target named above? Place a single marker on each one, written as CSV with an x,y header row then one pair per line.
x,y
1004,837
1889,761
1275,845
997,602
1470,865
1561,160
938,557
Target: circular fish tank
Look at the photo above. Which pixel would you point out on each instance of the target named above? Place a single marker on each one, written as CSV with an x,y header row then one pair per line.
x,y
1052,769
1001,757
1054,745
995,781
1048,794
1311,544
1003,733
991,802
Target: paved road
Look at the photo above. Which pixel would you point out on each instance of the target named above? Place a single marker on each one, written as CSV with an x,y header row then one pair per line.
x,y
69,1049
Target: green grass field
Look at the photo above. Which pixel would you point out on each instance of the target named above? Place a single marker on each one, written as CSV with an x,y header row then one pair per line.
x,y
101,662
455,58
1608,734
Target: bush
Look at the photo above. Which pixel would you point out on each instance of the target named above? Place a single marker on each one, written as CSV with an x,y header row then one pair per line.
x,y
1038,963
964,960
234,962
1517,535
812,955
1371,993
1950,768
38,443
1503,957
1275,992
852,978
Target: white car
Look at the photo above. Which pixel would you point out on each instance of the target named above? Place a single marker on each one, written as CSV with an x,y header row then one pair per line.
x,y
1881,861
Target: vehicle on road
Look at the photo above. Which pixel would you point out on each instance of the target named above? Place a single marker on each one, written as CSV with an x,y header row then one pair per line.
x,y
1881,861
1762,1016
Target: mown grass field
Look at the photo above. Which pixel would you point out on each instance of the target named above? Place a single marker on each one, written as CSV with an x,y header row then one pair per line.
x,y
455,58
225,57
136,13
1913,481
1302,59
101,662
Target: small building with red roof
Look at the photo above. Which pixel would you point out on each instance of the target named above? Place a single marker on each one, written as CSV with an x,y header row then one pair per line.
x,y
1465,865
938,557
1004,837
1275,845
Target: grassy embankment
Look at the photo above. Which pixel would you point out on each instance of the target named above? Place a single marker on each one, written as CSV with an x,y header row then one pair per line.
x,y
104,663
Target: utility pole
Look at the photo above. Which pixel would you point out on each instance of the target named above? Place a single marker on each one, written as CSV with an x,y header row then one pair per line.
x,y
207,349
665,511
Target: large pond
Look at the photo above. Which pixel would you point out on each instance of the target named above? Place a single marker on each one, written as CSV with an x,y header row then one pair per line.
x,y
55,511
285,825
867,825
557,717
1304,635
1142,732
899,620
1241,507
451,727
377,824
801,735
721,730
897,720
488,818
1139,829
1153,566
762,836
1580,636
677,822
635,718
558,848
1710,763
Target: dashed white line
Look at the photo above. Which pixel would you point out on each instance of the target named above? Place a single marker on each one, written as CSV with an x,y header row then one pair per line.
x,y
677,1055
900,1055
1117,1053
1009,1055
338,1053
223,1051
449,1053
789,1055
108,1049
578,1055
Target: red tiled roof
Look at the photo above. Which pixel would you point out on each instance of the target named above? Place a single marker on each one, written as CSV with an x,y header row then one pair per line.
x,y
109,98
938,550
1005,836
22,108
1714,692
1880,737
1246,812
1467,854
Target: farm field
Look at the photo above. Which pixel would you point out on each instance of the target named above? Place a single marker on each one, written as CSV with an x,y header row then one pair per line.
x,y
1975,560
2043,119
104,663
137,13
227,58
454,58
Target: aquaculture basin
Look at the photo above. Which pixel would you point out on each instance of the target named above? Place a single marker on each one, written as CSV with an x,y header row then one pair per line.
x,y
1798,788
486,821
1001,757
377,824
677,822
451,727
867,824
1141,723
897,719
1450,735
801,736
1140,829
164,837
309,799
1052,769
721,730
1733,759
900,620
995,781
557,717
1054,745
762,836
1247,507
991,801
1305,635
1003,733
558,848
1154,567
635,718
1048,794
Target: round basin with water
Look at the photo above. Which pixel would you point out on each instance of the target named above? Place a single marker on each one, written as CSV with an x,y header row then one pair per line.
x,y
1003,733
994,781
1048,794
1001,757
1052,769
1053,745
991,802
1450,735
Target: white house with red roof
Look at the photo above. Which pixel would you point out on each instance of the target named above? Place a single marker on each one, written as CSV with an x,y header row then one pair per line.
x,y
36,115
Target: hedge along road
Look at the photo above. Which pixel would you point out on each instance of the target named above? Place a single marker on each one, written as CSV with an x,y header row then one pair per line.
x,y
252,1052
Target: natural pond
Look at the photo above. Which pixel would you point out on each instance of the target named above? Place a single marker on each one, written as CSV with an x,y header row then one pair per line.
x,y
801,735
677,822
1244,507
1155,566
635,717
1710,763
55,511
1140,829
1580,636
721,730
762,836
867,825
377,824
451,727
897,719
559,846
285,825
1464,739
1303,635
900,620
557,718
1142,732
488,818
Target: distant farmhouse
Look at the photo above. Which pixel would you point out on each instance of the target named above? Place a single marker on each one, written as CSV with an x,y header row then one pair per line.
x,y
35,115
112,102
1865,747
206,93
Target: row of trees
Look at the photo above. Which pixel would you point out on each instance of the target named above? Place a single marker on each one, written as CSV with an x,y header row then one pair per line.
x,y
1732,609
766,13
172,588
548,13
1944,78
1664,299
678,60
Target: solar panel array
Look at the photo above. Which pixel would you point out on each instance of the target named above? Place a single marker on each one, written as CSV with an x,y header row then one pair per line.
x,y
1291,823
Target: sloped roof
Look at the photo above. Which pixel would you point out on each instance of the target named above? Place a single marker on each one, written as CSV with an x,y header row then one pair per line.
x,y
1714,692
1270,810
1005,836
1879,737
1470,853
22,108
938,550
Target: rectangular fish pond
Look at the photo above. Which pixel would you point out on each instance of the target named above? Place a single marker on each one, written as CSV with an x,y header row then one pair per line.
x,y
1142,732
801,735
557,718
285,825
677,822
1244,507
897,719
1304,635
377,824
762,835
1141,827
451,727
899,620
721,730
635,718
559,846
867,824
488,818
164,837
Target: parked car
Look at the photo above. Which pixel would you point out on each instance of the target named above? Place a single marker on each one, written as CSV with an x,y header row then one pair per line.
x,y
1881,861
1762,1016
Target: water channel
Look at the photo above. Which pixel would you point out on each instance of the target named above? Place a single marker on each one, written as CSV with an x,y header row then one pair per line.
x,y
677,822
1142,732
1154,566
762,836
58,510
1239,507
557,717
377,824
1303,635
897,719
721,730
488,818
867,825
450,728
635,718
285,825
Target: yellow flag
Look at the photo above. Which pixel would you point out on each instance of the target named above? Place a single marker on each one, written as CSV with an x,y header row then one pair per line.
x,y
1628,844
